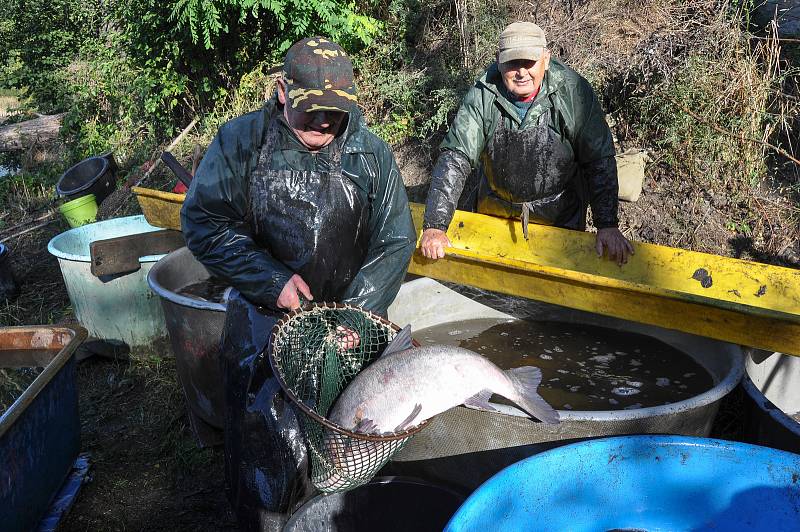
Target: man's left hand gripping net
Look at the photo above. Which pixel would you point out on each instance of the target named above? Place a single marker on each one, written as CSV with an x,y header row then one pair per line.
x,y
315,355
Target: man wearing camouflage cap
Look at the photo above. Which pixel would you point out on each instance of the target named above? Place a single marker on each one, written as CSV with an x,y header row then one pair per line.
x,y
297,201
535,130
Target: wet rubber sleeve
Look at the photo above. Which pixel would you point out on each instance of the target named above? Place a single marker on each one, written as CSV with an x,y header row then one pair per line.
x,y
461,151
213,219
447,182
595,155
603,191
391,244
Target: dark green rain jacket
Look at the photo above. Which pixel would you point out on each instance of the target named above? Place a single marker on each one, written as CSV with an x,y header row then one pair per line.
x,y
217,216
560,156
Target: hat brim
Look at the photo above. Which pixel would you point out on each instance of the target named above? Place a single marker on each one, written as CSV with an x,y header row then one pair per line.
x,y
311,100
530,53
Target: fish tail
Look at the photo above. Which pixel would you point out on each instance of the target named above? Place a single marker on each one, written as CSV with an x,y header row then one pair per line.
x,y
526,381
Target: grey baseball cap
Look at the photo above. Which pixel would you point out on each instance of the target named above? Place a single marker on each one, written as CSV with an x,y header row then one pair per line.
x,y
521,40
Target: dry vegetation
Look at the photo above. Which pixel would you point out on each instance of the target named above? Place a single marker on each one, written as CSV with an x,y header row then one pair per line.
x,y
7,106
714,105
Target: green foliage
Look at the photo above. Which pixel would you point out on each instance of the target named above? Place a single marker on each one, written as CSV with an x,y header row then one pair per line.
x,y
132,73
211,20
252,90
413,76
37,42
113,106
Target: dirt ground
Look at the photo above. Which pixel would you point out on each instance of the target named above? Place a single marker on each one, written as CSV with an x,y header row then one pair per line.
x,y
147,472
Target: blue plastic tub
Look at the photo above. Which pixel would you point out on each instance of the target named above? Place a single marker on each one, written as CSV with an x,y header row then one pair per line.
x,y
641,483
40,432
120,307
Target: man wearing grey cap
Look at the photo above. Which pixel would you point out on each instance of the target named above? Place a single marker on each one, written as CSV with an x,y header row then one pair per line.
x,y
535,130
296,201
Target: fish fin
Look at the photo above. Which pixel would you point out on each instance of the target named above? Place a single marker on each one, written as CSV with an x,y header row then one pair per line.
x,y
480,401
526,380
407,421
402,341
366,426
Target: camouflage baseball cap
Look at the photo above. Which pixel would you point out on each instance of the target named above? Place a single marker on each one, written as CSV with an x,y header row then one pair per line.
x,y
319,77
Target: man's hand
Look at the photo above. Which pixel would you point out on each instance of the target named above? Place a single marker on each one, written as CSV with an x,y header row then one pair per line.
x,y
347,338
433,242
610,239
288,297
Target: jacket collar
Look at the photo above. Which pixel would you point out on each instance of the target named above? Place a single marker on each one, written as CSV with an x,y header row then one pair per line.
x,y
554,78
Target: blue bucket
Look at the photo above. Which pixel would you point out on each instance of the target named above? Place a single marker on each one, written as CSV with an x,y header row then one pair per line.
x,y
640,483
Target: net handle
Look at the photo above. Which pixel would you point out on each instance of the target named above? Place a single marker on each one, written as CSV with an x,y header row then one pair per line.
x,y
300,404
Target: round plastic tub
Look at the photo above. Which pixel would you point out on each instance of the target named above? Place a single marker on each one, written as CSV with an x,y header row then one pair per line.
x,y
120,307
94,175
389,504
641,483
195,329
463,447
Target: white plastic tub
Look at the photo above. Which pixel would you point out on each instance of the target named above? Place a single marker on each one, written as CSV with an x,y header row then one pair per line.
x,y
121,307
773,387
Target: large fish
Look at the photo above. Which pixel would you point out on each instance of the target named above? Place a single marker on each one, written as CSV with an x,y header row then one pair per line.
x,y
408,385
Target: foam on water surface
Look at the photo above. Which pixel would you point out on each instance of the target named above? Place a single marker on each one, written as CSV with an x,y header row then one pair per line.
x,y
583,367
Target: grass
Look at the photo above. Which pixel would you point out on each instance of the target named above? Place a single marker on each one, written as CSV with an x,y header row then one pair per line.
x,y
7,105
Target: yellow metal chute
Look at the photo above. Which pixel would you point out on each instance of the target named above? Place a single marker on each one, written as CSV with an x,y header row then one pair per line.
x,y
753,304
748,303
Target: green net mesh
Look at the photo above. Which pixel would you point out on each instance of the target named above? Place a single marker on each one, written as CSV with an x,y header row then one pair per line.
x,y
315,356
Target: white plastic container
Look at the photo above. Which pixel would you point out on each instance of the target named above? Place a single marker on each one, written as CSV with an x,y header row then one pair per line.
x,y
118,308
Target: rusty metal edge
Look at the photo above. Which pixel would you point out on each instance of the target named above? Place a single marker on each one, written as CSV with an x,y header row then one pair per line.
x,y
54,366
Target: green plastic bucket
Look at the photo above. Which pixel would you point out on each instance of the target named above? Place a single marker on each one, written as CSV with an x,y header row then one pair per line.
x,y
80,211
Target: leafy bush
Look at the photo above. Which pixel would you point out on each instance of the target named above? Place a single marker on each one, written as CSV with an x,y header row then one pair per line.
x,y
39,39
212,20
111,104
413,76
132,73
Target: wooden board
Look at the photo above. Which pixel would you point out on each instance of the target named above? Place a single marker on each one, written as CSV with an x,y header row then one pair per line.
x,y
121,254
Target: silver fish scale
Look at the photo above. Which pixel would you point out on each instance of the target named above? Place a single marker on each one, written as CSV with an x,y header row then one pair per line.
x,y
435,377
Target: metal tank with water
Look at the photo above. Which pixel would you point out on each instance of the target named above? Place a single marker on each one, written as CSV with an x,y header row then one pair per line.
x,y
195,327
463,447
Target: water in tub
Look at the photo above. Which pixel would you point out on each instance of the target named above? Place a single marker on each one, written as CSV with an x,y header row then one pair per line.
x,y
211,290
584,367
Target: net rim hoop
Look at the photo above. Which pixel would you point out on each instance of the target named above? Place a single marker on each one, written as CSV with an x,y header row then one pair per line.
x,y
311,413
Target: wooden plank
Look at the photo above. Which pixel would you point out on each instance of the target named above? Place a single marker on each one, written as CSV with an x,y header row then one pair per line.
x,y
121,254
753,304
